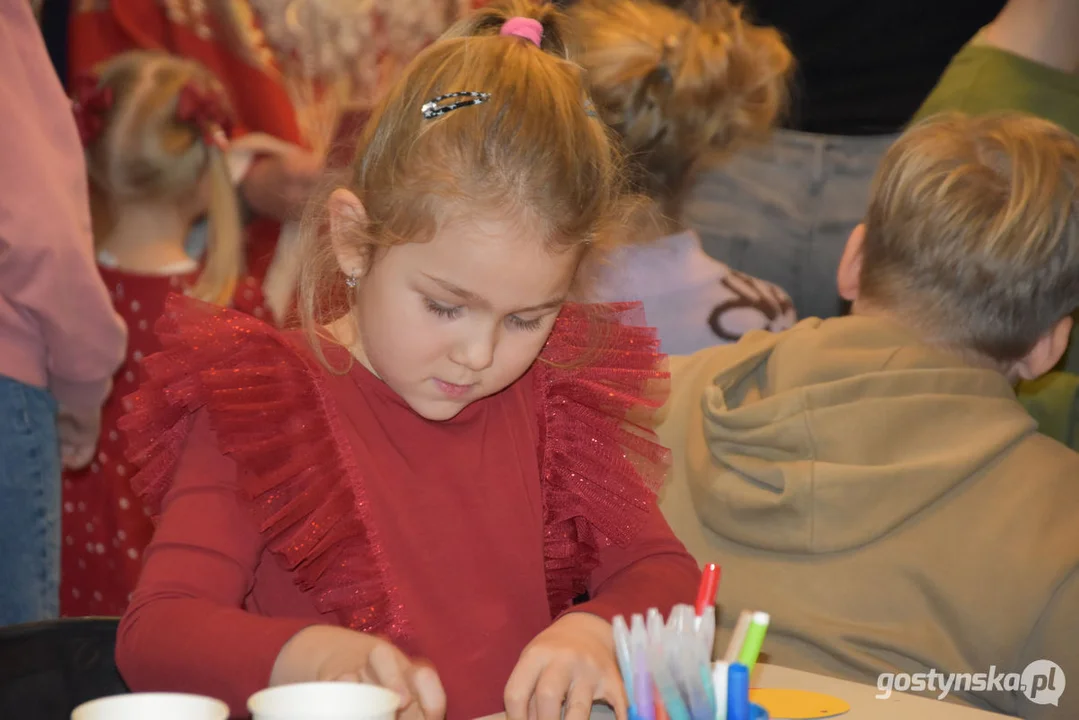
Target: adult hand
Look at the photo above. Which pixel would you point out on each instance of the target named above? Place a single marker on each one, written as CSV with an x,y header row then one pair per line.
x,y
78,431
278,185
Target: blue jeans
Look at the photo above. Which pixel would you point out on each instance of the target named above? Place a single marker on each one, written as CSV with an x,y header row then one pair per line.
x,y
29,504
783,212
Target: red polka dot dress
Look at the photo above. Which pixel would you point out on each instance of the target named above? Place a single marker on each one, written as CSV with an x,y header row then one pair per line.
x,y
105,526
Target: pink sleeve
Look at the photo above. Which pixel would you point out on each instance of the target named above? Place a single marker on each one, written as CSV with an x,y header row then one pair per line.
x,y
48,278
185,630
653,571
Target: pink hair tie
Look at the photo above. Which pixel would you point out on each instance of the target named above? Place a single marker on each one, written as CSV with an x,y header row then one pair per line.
x,y
523,27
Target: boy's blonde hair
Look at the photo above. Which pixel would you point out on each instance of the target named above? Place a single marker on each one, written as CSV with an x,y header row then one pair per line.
x,y
145,151
677,87
973,231
531,150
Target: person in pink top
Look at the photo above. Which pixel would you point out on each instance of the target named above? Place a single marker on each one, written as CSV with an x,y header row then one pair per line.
x,y
60,340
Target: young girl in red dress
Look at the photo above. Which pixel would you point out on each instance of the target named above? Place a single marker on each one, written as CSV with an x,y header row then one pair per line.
x,y
419,490
153,128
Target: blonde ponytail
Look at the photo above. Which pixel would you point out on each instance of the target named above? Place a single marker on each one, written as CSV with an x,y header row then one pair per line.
x,y
224,253
151,149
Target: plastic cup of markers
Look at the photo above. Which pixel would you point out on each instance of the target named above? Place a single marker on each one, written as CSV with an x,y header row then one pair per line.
x,y
324,701
159,706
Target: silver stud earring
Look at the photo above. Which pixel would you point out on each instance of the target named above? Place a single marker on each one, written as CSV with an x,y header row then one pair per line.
x,y
350,281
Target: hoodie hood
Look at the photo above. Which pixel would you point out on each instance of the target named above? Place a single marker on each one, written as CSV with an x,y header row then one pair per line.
x,y
832,434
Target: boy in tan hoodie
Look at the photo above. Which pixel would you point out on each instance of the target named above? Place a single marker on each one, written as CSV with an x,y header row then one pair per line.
x,y
871,480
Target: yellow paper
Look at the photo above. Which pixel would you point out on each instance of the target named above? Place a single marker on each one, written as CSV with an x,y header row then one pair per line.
x,y
797,704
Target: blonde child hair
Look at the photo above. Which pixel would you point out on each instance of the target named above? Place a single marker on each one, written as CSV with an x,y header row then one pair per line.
x,y
146,147
677,87
973,231
532,148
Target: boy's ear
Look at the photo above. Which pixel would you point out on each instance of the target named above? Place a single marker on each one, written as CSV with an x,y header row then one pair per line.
x,y
1047,352
849,276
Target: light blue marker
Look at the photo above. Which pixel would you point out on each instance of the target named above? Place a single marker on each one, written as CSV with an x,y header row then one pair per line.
x,y
622,652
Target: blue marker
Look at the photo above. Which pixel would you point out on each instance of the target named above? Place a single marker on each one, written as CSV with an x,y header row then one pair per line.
x,y
738,692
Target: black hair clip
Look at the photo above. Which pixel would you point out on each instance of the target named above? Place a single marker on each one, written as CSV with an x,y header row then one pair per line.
x,y
433,108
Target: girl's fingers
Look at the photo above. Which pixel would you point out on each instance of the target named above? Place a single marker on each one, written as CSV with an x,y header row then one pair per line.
x,y
428,691
389,668
521,686
348,677
579,701
552,688
613,692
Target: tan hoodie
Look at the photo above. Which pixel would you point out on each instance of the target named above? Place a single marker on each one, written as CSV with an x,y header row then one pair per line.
x,y
894,509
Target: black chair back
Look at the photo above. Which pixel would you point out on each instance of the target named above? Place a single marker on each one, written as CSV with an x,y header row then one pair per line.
x,y
47,669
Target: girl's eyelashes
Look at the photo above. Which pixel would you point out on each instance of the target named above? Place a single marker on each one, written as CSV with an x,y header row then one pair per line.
x,y
526,325
444,311
451,312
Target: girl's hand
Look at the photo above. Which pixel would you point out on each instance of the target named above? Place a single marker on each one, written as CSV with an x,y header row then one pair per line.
x,y
569,664
326,653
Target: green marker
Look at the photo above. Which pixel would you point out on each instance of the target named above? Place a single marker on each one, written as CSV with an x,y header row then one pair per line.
x,y
751,648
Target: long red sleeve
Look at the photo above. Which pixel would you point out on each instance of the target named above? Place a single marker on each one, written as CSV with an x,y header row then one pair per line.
x,y
655,571
185,630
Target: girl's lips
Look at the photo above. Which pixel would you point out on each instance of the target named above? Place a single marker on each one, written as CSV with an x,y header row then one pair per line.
x,y
452,390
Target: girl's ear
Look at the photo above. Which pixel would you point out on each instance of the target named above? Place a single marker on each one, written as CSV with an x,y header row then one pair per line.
x,y
348,227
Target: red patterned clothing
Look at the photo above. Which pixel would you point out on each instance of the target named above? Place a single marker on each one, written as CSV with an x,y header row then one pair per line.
x,y
102,29
105,526
289,495
273,87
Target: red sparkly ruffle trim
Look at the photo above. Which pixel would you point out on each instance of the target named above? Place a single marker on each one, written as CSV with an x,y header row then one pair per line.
x,y
599,383
268,409
599,380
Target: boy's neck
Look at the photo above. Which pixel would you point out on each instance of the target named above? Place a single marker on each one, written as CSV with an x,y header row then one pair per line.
x,y
970,357
147,237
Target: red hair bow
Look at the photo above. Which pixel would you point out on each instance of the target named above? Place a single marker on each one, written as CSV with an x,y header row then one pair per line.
x,y
90,103
206,110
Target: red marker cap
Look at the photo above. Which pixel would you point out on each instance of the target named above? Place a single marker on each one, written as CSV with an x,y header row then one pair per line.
x,y
706,595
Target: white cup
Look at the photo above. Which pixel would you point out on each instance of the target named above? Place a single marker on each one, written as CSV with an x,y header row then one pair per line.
x,y
324,701
159,706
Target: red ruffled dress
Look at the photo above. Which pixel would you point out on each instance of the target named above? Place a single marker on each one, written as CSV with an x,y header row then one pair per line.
x,y
105,527
287,495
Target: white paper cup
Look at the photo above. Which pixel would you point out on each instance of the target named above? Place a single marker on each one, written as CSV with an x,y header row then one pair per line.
x,y
159,706
324,701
